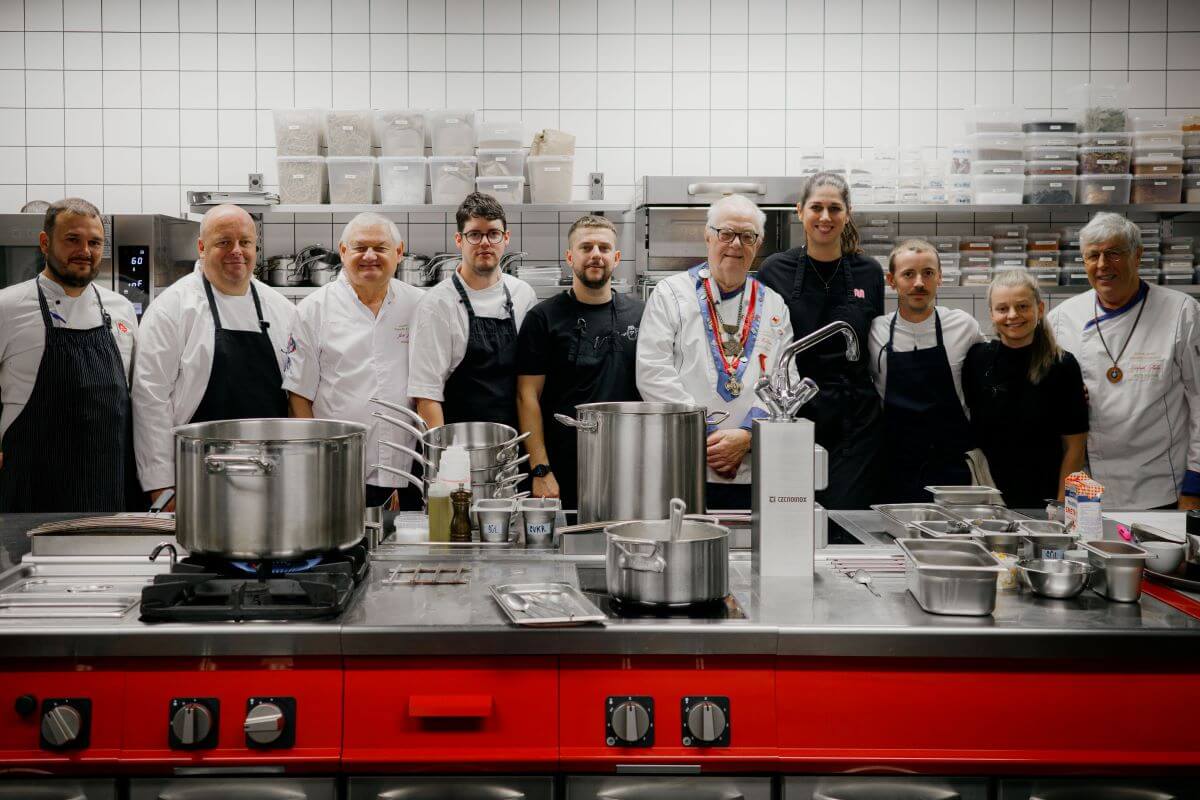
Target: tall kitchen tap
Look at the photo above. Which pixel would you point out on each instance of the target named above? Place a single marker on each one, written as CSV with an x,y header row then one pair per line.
x,y
781,380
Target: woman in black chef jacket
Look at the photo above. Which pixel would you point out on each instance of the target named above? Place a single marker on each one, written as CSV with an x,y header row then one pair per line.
x,y
827,280
1026,397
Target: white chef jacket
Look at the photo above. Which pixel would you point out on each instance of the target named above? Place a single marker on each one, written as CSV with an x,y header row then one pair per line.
x,y
175,354
960,330
1144,438
439,334
340,355
675,361
23,333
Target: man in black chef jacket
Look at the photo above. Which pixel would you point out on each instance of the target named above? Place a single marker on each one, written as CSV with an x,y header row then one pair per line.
x,y
577,347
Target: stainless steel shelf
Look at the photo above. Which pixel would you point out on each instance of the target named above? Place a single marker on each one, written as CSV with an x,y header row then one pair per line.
x,y
942,208
380,208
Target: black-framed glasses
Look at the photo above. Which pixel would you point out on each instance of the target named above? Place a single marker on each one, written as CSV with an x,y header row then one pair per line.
x,y
727,235
1113,254
494,236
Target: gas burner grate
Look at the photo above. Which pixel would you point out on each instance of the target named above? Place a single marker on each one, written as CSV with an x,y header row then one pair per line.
x,y
421,575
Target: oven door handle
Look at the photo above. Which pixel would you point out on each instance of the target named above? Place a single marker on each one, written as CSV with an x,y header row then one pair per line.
x,y
450,706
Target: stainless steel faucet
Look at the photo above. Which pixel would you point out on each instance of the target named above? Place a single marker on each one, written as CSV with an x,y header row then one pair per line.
x,y
781,380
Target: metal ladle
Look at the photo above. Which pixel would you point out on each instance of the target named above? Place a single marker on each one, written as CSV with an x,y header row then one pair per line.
x,y
678,507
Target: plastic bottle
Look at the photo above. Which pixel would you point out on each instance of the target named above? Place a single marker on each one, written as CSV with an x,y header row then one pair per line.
x,y
453,470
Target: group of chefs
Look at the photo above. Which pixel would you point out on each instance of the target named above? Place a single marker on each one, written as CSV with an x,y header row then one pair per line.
x,y
1107,381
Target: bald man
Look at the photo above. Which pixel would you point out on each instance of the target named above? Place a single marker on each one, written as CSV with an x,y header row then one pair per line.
x,y
212,346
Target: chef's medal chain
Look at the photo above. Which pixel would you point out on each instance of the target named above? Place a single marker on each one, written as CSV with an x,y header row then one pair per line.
x,y
736,347
1115,373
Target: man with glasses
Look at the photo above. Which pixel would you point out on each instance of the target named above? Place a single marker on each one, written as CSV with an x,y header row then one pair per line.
x,y
708,334
462,364
1138,346
576,347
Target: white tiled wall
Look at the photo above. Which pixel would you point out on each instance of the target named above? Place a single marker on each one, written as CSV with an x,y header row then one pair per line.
x,y
132,102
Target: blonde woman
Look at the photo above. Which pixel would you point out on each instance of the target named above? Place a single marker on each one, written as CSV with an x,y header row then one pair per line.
x,y
1026,397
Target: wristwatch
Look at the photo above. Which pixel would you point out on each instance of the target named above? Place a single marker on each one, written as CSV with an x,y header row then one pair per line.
x,y
540,471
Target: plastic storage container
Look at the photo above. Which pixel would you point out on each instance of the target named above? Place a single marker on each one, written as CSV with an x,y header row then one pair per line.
x,y
1103,189
1041,260
1158,141
1109,160
1156,189
1178,244
976,276
1106,139
1191,190
1051,153
1051,167
349,133
997,190
1001,245
400,132
1050,125
996,146
351,179
506,190
550,178
992,119
301,180
1006,167
1149,261
452,133
975,244
1051,189
1049,139
298,132
1100,107
1044,241
501,163
1002,261
402,180
451,178
1191,164
499,135
944,244
1140,124
1176,277
1045,275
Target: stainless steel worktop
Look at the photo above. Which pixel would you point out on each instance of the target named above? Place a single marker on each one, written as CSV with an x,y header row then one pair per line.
x,y
829,616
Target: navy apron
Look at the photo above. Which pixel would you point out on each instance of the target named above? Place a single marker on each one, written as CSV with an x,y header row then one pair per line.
x,y
483,387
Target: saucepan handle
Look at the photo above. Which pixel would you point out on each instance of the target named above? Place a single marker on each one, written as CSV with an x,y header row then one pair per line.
x,y
413,480
510,447
233,464
401,424
571,422
408,451
630,558
405,410
720,416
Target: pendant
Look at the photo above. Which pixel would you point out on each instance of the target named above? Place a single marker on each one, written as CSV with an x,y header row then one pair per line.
x,y
733,385
1115,374
731,329
732,348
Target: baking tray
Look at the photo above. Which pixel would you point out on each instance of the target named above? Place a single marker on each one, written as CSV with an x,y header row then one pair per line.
x,y
897,517
547,605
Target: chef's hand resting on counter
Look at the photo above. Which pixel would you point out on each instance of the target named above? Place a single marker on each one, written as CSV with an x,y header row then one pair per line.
x,y
727,449
546,486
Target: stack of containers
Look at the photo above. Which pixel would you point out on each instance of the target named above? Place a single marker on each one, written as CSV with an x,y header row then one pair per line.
x,y
1178,264
862,183
1191,159
1070,259
1150,265
975,260
884,169
1157,160
299,143
949,258
1104,153
350,136
877,235
402,163
1051,160
453,163
1044,256
1010,247
501,160
996,145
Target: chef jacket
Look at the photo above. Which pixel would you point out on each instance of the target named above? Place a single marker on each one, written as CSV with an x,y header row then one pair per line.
x,y
1144,438
175,355
340,355
676,362
23,333
960,330
439,332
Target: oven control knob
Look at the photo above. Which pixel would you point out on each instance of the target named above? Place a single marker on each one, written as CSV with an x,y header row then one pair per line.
x,y
191,724
264,723
62,725
706,722
630,721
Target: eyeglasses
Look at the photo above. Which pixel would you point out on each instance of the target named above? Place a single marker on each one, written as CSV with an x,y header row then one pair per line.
x,y
727,235
1093,256
494,236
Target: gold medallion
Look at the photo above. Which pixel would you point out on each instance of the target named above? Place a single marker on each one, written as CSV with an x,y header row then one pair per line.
x,y
1114,374
733,385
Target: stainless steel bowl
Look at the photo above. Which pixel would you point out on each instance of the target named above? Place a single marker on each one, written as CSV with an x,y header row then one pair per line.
x,y
1058,578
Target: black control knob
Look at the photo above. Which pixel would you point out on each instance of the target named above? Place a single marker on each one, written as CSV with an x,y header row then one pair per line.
x,y
191,724
62,726
25,705
706,722
630,722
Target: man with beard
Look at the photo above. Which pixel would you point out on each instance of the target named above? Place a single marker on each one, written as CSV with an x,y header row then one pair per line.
x,y
212,347
462,364
577,347
65,349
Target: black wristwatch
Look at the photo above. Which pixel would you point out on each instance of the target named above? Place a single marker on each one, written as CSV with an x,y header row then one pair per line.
x,y
540,471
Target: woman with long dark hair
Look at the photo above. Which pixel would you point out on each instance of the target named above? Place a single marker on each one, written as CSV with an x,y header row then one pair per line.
x,y
826,280
1028,406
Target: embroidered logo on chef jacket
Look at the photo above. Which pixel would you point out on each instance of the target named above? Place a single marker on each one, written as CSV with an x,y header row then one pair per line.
x,y
1145,367
123,328
287,352
861,294
630,334
402,334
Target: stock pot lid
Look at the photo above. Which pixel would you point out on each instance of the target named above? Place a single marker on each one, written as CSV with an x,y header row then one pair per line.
x,y
639,408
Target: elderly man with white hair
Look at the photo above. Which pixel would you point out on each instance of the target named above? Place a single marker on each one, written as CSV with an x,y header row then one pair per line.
x,y
350,343
211,347
707,334
1138,346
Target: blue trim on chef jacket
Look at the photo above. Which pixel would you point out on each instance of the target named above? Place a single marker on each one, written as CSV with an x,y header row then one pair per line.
x,y
754,413
1116,312
714,347
1191,483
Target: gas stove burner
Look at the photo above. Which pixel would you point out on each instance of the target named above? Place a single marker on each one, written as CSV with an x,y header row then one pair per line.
x,y
277,567
722,608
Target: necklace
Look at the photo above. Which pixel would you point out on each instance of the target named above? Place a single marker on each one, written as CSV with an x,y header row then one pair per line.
x,y
729,342
733,383
1115,373
832,275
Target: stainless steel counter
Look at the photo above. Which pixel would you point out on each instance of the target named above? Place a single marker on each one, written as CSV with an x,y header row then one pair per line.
x,y
829,616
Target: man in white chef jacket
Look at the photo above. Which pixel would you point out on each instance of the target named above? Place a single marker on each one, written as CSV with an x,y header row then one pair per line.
x,y
66,344
705,337
212,346
1138,346
350,344
917,354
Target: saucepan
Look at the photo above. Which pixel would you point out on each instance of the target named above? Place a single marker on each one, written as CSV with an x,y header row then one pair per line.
x,y
489,445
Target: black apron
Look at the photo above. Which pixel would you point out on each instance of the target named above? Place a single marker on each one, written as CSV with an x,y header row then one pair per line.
x,y
846,413
927,435
71,447
245,382
483,387
597,371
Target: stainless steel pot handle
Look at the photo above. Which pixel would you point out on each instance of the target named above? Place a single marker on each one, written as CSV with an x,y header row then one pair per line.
x,y
640,562
401,424
505,470
720,415
510,447
412,479
571,422
511,480
409,451
416,418
234,464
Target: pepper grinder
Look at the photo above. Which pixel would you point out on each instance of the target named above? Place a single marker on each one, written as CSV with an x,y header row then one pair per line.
x,y
460,521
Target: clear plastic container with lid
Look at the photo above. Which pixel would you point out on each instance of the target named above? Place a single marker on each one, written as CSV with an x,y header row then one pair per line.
x,y
1156,141
1051,153
298,131
506,163
1177,276
1050,125
1049,259
997,190
996,146
1149,261
1156,189
1170,123
349,133
451,178
975,244
1100,107
1051,167
402,179
1106,139
1006,245
1045,275
976,276
351,179
1002,261
1178,244
1191,190
944,244
400,132
1104,189
1157,165
992,119
499,134
550,178
1006,167
301,180
1192,163
1052,139
1051,189
1101,160
452,133
506,190
1044,241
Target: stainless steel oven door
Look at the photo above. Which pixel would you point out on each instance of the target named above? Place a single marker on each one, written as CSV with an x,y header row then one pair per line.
x,y
461,787
665,787
884,788
1099,789
32,788
267,788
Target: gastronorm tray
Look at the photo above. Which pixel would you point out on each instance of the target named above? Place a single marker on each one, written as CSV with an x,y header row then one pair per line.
x,y
951,576
898,517
545,604
960,495
972,512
